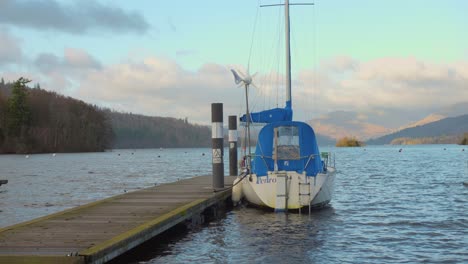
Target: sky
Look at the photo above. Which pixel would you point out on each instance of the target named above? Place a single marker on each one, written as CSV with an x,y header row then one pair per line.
x,y
397,59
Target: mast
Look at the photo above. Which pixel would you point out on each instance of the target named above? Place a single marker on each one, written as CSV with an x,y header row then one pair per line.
x,y
288,54
288,48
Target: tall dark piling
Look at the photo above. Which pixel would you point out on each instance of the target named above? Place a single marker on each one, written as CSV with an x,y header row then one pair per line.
x,y
217,145
233,146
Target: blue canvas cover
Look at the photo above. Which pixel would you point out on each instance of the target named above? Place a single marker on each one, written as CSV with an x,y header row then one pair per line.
x,y
271,115
295,146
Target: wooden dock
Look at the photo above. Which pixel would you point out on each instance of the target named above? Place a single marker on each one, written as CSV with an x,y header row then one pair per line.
x,y
3,182
102,230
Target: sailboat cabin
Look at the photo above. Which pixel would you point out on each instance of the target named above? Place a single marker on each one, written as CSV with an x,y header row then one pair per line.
x,y
287,146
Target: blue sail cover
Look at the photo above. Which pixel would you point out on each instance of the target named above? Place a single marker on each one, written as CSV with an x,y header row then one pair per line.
x,y
271,115
295,146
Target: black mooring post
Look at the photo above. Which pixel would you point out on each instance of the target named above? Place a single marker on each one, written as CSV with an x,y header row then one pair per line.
x,y
217,145
233,146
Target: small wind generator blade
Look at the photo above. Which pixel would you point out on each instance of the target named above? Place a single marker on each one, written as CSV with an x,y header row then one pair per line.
x,y
237,78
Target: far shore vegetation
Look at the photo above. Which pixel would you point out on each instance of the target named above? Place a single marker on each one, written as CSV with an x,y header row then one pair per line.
x,y
464,141
452,139
349,142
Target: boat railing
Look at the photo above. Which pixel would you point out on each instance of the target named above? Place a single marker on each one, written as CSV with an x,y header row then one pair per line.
x,y
328,159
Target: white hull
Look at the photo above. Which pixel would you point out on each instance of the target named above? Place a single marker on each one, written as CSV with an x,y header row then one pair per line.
x,y
284,190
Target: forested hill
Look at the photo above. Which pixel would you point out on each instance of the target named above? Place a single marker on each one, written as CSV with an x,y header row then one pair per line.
x,y
33,120
451,128
139,131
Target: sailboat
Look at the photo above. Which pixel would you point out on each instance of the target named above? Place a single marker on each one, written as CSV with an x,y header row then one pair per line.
x,y
287,170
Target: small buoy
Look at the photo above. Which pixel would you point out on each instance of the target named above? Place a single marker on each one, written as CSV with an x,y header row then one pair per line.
x,y
53,155
400,150
118,154
27,156
203,154
132,153
125,190
445,149
463,149
465,183
159,156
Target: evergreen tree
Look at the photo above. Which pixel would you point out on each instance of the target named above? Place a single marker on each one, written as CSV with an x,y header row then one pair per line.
x,y
2,118
19,114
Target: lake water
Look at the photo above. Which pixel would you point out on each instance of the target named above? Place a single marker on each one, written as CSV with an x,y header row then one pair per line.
x,y
388,206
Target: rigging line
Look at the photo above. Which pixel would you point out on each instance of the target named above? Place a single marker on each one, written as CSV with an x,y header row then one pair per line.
x,y
268,59
252,39
294,57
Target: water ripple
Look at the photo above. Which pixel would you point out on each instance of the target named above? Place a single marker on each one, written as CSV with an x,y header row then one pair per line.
x,y
388,207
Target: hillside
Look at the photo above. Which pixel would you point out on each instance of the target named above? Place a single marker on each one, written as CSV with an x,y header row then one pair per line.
x,y
448,111
451,127
33,120
428,119
366,124
139,131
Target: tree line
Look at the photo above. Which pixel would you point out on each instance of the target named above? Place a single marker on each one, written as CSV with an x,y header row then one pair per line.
x,y
33,120
139,131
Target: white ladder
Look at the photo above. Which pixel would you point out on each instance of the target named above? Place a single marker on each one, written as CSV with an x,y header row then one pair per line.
x,y
282,194
304,194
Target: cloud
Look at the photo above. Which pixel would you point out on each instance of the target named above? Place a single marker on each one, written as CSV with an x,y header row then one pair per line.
x,y
339,64
73,60
78,58
158,86
388,83
10,51
386,92
76,18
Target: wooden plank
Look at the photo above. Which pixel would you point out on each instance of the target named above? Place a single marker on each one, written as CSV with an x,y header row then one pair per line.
x,y
102,230
14,259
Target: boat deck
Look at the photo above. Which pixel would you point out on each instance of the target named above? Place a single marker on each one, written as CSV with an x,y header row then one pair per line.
x,y
99,231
